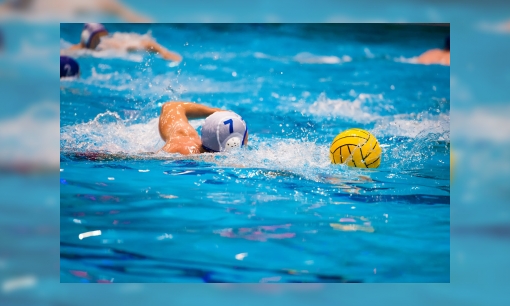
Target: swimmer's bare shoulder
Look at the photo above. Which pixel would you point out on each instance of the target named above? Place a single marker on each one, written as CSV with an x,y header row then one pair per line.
x,y
429,56
435,56
175,129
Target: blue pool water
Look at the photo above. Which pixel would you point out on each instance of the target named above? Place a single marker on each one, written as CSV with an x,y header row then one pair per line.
x,y
278,211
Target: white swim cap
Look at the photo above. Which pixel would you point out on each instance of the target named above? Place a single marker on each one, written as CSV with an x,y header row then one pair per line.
x,y
223,131
89,30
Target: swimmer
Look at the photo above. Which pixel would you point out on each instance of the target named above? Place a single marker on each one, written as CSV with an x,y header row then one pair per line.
x,y
222,130
71,8
69,67
437,56
95,37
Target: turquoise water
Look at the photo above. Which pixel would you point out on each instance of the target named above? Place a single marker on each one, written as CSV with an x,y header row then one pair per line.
x,y
277,211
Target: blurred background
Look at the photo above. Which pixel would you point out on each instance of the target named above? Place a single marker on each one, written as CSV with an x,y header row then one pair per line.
x,y
29,147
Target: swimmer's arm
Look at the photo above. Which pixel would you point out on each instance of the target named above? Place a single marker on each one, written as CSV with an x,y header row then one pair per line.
x,y
175,116
191,110
153,46
72,48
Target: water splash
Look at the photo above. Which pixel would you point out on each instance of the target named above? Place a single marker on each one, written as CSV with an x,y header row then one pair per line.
x,y
406,141
413,154
111,134
415,126
306,58
108,132
309,58
412,60
359,110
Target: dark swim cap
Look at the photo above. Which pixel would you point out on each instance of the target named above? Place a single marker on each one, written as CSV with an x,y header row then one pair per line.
x,y
447,43
68,67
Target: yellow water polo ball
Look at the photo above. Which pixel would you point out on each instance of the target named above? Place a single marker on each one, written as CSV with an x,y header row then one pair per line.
x,y
355,148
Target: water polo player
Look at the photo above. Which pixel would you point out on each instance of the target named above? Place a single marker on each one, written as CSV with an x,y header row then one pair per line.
x,y
221,131
94,36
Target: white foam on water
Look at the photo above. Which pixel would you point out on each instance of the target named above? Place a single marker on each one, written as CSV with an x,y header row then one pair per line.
x,y
108,132
368,53
222,56
412,60
99,78
283,158
267,56
422,132
363,110
358,110
414,126
306,58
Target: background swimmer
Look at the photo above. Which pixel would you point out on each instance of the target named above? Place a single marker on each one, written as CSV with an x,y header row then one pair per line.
x,y
221,131
95,37
437,56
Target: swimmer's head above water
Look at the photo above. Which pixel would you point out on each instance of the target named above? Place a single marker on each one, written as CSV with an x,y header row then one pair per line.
x,y
223,131
91,34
